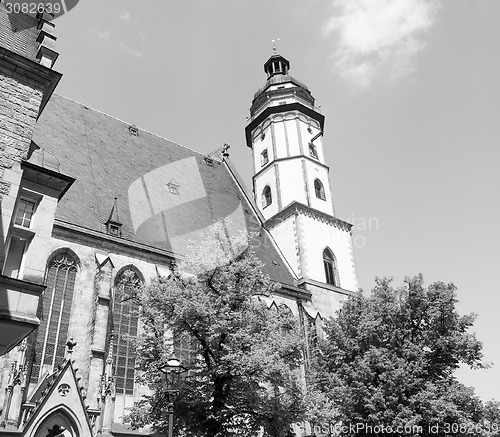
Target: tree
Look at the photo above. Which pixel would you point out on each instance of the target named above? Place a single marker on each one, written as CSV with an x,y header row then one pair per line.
x,y
245,371
389,360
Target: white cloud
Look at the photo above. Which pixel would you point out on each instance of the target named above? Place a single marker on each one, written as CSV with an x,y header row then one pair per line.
x,y
114,42
104,34
129,50
126,16
378,39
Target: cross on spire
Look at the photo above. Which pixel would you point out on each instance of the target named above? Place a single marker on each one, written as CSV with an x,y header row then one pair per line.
x,y
274,45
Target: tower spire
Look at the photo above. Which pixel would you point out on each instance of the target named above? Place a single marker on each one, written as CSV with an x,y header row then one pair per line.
x,y
275,52
291,183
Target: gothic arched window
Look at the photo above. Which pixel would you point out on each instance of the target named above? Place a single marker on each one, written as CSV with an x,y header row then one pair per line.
x,y
52,334
319,190
267,197
125,324
331,271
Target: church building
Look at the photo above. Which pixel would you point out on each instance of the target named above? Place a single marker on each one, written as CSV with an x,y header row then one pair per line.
x,y
86,219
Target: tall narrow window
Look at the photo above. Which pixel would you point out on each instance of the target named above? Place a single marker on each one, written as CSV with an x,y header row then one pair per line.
x,y
264,158
319,190
125,324
330,264
267,198
52,334
24,212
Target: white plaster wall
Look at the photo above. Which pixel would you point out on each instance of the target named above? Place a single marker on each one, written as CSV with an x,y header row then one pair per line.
x,y
314,236
267,177
292,130
314,172
259,145
284,235
280,137
327,302
292,184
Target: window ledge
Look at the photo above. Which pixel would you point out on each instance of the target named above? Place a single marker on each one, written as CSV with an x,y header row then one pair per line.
x,y
22,231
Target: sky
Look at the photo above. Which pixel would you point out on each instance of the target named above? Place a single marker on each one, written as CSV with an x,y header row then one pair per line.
x,y
410,94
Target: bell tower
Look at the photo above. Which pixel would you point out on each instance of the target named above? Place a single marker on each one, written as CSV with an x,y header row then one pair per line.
x,y
291,181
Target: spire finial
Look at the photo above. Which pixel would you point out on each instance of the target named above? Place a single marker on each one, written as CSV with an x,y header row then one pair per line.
x,y
274,45
70,344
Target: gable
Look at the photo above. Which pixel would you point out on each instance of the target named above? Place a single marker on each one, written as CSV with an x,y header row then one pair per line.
x,y
58,407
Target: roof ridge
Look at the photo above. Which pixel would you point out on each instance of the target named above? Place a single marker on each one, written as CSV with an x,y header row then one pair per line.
x,y
130,124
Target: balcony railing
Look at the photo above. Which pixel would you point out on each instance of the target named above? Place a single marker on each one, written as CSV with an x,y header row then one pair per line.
x,y
284,95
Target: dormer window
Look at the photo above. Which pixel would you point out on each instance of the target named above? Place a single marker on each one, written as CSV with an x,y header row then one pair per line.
x,y
264,158
113,224
133,130
313,152
114,229
24,213
173,187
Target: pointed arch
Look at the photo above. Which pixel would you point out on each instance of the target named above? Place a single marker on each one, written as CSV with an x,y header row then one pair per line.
x,y
330,265
55,312
267,197
125,325
59,421
319,189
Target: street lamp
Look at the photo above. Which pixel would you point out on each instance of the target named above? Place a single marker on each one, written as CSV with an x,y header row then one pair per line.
x,y
171,371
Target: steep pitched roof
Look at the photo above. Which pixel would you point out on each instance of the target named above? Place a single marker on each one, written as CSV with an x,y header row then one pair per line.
x,y
18,32
108,160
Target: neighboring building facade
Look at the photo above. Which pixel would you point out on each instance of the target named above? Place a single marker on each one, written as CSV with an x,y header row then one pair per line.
x,y
86,219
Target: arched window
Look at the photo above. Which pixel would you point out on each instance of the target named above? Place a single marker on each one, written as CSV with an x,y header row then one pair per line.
x,y
319,190
125,324
52,334
267,198
59,424
330,264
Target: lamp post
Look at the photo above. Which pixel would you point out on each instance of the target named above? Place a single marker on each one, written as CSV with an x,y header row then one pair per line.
x,y
171,371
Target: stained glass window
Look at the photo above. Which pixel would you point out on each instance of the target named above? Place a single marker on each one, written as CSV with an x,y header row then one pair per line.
x,y
52,334
125,324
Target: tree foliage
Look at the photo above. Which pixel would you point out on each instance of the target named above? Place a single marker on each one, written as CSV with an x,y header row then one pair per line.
x,y
246,374
389,360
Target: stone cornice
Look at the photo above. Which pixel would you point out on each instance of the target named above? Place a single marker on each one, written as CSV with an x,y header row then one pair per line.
x,y
289,158
72,232
295,292
320,118
299,208
46,177
304,282
32,70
